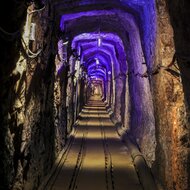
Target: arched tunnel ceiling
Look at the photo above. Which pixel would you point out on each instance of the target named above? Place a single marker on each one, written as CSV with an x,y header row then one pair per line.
x,y
97,68
103,60
106,52
123,21
113,21
87,40
98,72
135,7
126,20
142,11
98,53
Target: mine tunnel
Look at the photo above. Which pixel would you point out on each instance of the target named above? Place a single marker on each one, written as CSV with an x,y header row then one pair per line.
x,y
95,94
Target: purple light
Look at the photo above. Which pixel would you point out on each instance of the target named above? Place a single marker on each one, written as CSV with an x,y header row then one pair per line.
x,y
111,44
129,22
119,59
89,37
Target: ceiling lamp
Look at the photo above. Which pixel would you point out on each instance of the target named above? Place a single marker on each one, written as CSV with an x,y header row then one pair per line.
x,y
99,41
97,61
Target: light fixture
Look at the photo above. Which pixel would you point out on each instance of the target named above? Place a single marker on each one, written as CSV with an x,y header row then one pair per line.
x,y
32,31
79,50
109,72
97,61
99,41
99,36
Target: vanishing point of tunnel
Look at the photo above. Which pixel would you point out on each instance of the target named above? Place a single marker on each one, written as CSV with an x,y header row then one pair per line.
x,y
95,95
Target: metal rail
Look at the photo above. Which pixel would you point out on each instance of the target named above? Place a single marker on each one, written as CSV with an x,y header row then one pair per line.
x,y
144,173
80,159
60,165
109,168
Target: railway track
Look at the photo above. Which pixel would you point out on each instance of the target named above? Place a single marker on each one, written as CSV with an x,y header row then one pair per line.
x,y
51,181
109,168
80,158
92,160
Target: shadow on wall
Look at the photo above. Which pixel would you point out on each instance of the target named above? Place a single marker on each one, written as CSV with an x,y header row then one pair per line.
x,y
39,126
9,53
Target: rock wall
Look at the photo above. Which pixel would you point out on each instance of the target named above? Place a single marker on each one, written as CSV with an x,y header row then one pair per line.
x,y
32,135
10,134
179,14
171,165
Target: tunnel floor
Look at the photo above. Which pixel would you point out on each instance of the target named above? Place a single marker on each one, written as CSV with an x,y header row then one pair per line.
x,y
95,158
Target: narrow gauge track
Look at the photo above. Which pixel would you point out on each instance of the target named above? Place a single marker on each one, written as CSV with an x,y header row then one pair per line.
x,y
79,162
90,157
109,168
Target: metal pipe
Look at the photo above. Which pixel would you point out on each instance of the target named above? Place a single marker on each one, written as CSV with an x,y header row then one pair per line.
x,y
145,176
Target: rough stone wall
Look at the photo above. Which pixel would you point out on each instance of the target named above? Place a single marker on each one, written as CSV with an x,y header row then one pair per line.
x,y
9,53
118,100
69,104
142,123
179,15
171,165
63,108
60,115
38,123
30,139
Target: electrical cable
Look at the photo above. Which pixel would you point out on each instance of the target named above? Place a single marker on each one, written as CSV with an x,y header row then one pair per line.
x,y
147,74
36,10
28,51
9,36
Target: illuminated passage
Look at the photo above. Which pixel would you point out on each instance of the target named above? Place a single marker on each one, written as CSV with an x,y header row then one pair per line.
x,y
95,157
